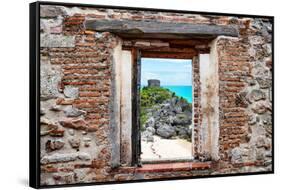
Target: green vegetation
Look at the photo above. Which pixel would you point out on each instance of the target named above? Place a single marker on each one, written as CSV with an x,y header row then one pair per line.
x,y
151,96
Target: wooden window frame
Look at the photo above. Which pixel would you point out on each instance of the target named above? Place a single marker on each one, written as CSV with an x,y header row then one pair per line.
x,y
137,54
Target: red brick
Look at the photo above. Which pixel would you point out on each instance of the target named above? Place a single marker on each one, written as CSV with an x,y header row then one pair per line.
x,y
57,133
89,94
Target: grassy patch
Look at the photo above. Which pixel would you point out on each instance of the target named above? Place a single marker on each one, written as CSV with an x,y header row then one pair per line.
x,y
151,96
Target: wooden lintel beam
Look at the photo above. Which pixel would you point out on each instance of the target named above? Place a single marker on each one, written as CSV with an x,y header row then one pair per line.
x,y
171,55
189,42
174,50
160,30
163,49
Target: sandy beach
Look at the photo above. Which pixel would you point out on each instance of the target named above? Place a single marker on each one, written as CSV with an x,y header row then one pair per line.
x,y
165,149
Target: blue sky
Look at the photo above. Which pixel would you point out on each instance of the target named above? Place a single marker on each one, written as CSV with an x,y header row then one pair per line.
x,y
174,72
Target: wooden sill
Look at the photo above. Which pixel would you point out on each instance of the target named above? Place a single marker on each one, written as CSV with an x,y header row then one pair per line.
x,y
168,167
160,161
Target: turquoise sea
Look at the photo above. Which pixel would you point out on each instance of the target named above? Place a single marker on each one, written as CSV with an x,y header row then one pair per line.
x,y
183,91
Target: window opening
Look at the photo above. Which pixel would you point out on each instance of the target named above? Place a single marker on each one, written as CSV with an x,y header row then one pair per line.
x,y
165,109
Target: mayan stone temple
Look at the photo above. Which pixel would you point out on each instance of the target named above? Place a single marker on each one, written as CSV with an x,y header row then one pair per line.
x,y
91,125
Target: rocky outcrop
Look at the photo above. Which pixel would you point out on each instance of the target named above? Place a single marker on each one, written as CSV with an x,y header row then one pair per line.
x,y
171,119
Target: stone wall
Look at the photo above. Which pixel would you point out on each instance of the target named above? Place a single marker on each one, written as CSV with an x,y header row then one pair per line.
x,y
78,97
245,85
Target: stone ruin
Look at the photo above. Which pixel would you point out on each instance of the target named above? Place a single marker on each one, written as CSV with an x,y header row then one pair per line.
x,y
153,83
86,118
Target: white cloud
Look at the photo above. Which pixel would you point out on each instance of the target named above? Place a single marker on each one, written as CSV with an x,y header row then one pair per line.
x,y
168,71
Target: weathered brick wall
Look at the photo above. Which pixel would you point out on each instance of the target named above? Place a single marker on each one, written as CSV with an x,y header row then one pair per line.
x,y
76,87
245,105
77,95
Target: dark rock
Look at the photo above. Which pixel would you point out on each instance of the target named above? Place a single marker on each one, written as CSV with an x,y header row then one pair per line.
x,y
150,122
184,105
147,136
158,124
52,145
171,119
260,154
177,109
166,131
184,131
264,82
241,100
151,130
182,119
